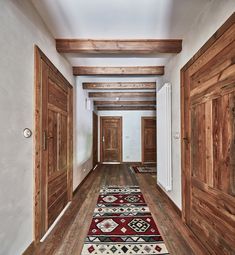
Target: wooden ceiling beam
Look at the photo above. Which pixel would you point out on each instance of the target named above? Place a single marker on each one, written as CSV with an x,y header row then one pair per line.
x,y
133,70
99,103
122,94
119,85
138,46
126,108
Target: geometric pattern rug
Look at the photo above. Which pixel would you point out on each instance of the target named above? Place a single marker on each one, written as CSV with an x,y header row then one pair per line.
x,y
122,224
143,169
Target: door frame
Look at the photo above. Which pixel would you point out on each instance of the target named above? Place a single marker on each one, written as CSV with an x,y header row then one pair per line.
x,y
101,134
185,104
95,117
38,192
142,135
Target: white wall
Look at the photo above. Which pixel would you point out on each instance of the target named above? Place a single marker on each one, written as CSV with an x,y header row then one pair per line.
x,y
20,29
210,19
83,136
131,133
131,119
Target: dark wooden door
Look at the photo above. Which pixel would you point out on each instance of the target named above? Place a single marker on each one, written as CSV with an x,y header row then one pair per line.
x,y
111,139
95,139
208,147
53,143
148,139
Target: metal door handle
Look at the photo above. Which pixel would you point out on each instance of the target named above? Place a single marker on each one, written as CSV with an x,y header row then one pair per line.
x,y
103,139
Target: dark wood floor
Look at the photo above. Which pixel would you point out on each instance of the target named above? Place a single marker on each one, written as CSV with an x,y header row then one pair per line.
x,y
68,235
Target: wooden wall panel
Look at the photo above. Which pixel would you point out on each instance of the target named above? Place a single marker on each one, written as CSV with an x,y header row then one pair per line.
x,y
198,138
223,138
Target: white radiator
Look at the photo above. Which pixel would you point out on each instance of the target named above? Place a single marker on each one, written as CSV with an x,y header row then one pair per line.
x,y
164,164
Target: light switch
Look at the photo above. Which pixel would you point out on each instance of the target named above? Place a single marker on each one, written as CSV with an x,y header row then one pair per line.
x,y
177,135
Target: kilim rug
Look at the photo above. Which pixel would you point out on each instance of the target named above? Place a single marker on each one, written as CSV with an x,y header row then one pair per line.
x,y
122,224
144,169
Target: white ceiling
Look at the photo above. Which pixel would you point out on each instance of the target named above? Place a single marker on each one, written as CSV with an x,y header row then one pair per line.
x,y
119,19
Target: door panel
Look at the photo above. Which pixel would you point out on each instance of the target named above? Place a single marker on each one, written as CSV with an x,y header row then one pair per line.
x,y
149,139
111,139
209,144
53,159
56,139
52,142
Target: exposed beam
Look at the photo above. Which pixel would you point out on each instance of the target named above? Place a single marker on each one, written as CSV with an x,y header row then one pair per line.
x,y
119,85
126,108
122,94
150,46
130,70
124,103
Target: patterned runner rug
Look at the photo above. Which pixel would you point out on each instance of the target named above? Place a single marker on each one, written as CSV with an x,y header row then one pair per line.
x,y
144,169
122,224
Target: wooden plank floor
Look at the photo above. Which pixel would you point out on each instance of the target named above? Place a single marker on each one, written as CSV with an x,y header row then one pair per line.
x,y
68,236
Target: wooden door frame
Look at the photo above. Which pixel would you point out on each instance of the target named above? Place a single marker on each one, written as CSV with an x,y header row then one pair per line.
x,y
38,56
185,120
142,134
101,134
95,114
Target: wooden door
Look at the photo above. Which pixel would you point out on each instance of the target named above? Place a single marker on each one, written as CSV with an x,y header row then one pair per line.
x,y
53,161
208,146
95,139
111,139
149,136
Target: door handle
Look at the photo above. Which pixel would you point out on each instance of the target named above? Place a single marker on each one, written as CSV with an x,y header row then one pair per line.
x,y
103,139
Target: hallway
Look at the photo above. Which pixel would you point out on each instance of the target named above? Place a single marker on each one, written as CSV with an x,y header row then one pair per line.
x,y
69,234
139,95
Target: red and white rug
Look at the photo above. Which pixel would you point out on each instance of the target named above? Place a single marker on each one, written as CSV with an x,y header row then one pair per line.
x,y
122,224
144,169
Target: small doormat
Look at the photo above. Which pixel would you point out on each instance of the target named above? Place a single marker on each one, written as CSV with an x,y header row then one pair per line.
x,y
122,224
144,169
